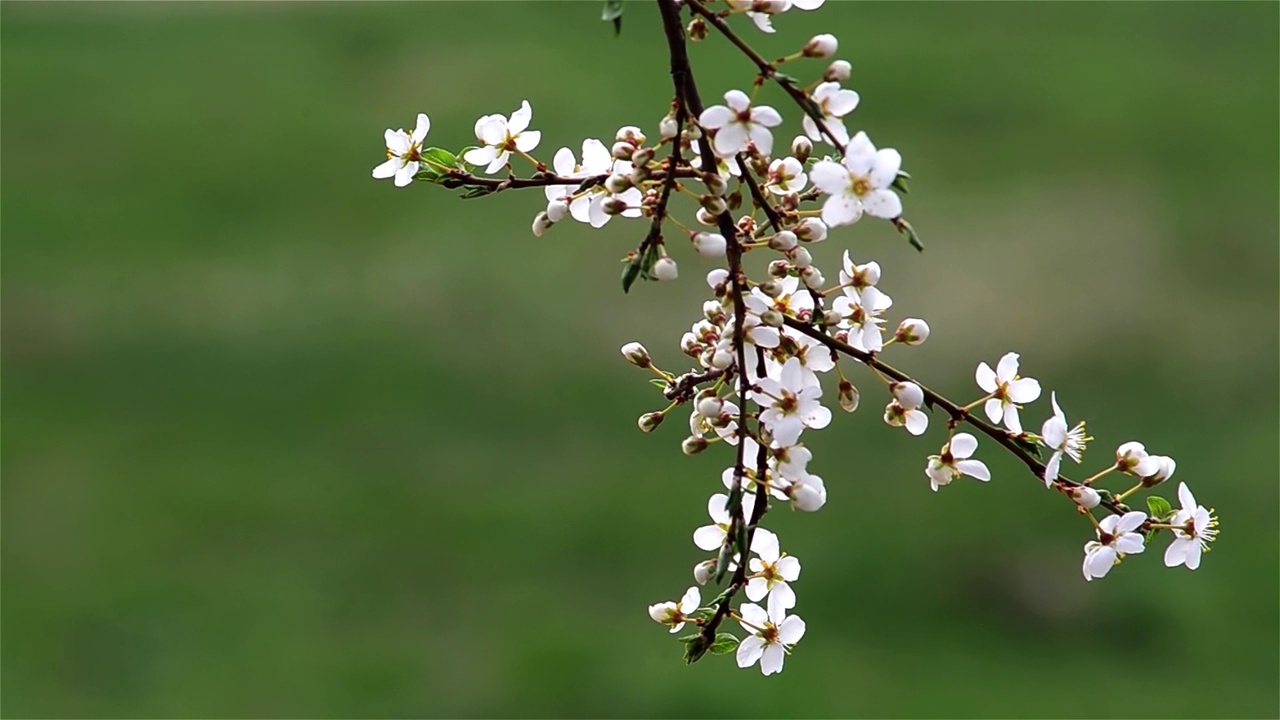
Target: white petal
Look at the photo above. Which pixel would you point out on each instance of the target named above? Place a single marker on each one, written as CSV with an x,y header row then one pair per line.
x,y
397,141
753,615
818,418
1008,367
782,597
789,568
1051,468
520,118
387,169
1024,390
749,651
1176,553
842,102
994,408
882,204
691,600
757,589
1130,522
563,162
791,630
766,116
528,140
830,177
762,139
842,209
404,175
963,445
1193,554
499,161
731,139
718,510
917,422
974,469
771,660
491,129
1130,544
737,100
715,117
886,167
986,378
765,544
420,132
1186,498
480,156
595,157
708,537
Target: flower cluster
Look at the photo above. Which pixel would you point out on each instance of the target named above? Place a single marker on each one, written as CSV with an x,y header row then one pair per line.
x,y
758,349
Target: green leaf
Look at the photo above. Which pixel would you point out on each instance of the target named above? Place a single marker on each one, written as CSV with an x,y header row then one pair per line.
x,y
1158,506
639,266
433,160
900,182
724,644
695,648
613,13
475,191
1032,448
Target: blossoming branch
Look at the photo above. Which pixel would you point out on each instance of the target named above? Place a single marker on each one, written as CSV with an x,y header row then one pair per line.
x,y
751,365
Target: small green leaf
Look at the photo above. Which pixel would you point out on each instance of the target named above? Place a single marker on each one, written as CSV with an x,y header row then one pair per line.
x,y
900,182
475,191
658,382
1032,448
695,648
724,644
613,13
1158,506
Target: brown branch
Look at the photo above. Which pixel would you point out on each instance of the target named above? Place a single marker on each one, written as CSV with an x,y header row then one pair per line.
x,y
958,413
461,178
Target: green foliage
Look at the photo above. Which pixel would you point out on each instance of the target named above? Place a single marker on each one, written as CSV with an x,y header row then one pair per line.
x,y
1158,507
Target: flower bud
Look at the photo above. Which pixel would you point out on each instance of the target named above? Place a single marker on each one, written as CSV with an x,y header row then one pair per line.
x,y
640,173
665,269
697,30
710,407
779,269
717,279
617,183
642,156
622,150
542,222
714,182
1164,467
704,571
649,421
710,245
714,204
707,218
721,359
1085,496
837,71
908,394
734,200
690,346
800,257
912,331
812,277
613,206
630,134
668,127
771,288
636,354
811,230
693,445
848,396
714,313
556,210
821,46
690,134
772,318
783,241
809,494
801,148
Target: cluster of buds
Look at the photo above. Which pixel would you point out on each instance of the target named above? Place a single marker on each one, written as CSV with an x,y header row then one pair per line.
x,y
758,348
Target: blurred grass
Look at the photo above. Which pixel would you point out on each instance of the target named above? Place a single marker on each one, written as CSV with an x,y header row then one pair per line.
x,y
282,440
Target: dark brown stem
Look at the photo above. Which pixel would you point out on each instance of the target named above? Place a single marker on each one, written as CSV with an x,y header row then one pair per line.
x,y
461,178
958,414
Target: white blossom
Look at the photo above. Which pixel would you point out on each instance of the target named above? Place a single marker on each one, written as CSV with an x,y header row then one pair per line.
x,y
1061,440
955,460
772,636
1007,390
676,614
404,153
771,571
860,311
595,161
789,405
834,102
500,137
859,183
1198,528
786,175
711,537
665,269
738,124
1116,538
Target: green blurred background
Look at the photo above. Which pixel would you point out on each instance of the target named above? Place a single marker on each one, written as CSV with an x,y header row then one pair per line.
x,y
281,440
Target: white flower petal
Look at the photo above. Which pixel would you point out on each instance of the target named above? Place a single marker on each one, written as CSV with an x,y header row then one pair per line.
x,y
749,651
420,131
387,169
974,469
520,118
842,209
963,445
1007,369
715,117
708,537
771,659
986,378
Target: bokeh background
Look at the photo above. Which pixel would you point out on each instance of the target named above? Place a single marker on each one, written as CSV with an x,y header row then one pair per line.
x,y
281,440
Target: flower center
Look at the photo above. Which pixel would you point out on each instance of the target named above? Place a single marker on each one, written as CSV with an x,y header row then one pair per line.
x,y
861,186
